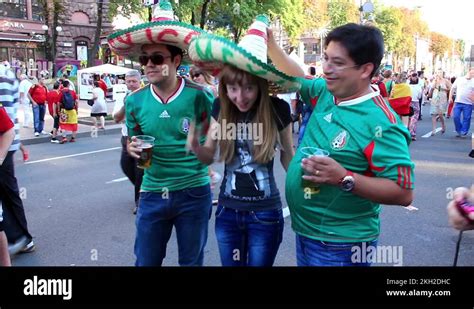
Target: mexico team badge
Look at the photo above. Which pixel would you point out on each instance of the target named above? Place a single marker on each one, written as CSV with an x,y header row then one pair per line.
x,y
184,125
340,141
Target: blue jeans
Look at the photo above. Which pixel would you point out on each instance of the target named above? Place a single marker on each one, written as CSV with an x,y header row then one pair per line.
x,y
310,252
462,127
248,238
38,117
187,210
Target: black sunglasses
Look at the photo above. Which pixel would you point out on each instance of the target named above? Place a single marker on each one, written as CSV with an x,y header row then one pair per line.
x,y
156,59
196,75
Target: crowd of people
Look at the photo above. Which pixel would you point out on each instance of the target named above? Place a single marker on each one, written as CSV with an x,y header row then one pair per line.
x,y
334,200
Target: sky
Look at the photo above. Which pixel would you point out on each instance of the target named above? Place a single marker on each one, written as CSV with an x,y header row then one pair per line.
x,y
450,17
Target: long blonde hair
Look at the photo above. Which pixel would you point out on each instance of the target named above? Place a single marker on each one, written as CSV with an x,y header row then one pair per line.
x,y
264,115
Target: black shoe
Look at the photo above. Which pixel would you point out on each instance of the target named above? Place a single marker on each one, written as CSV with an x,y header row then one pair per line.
x,y
135,210
471,154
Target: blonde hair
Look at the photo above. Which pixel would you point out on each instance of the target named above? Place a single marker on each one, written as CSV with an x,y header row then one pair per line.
x,y
264,115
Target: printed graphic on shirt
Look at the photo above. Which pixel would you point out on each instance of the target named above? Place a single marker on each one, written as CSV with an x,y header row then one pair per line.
x,y
165,114
251,178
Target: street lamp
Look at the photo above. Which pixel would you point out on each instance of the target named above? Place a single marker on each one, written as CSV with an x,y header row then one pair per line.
x,y
365,8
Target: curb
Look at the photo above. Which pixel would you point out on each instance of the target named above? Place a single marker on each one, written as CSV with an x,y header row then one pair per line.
x,y
47,139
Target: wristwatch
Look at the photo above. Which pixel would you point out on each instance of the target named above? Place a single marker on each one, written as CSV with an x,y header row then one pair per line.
x,y
347,183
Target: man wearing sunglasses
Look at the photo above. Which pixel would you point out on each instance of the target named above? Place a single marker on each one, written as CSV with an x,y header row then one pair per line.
x,y
175,191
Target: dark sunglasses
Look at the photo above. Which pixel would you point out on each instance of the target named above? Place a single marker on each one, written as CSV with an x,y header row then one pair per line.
x,y
156,59
195,75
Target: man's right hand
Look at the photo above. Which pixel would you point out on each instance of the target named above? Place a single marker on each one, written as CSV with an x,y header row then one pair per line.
x,y
132,148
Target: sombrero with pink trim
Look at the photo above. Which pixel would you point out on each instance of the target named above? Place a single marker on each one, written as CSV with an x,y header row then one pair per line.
x,y
163,29
250,55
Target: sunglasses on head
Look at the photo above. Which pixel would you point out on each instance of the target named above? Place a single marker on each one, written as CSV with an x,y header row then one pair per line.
x,y
156,59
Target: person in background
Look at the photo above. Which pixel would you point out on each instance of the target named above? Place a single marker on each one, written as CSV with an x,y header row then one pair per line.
x,y
14,218
400,98
439,100
127,163
451,99
37,95
416,93
7,134
68,118
53,109
70,83
24,88
464,88
203,78
99,108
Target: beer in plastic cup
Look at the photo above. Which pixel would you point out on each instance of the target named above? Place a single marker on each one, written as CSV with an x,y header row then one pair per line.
x,y
145,143
308,152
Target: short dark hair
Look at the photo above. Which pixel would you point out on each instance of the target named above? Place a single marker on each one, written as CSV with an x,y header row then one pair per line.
x,y
56,85
364,43
175,51
65,83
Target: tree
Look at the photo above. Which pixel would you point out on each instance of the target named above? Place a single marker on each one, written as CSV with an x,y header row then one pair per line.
x,y
388,20
292,20
342,12
52,13
92,55
316,16
440,44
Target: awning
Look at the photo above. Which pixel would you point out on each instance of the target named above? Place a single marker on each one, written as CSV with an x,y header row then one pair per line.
x,y
18,37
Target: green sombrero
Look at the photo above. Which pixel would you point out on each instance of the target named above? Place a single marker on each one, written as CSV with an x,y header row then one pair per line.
x,y
163,29
250,55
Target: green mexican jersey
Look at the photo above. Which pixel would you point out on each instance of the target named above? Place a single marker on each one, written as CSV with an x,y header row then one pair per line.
x,y
168,121
365,136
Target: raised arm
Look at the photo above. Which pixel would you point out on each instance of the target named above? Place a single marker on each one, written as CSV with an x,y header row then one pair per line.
x,y
280,59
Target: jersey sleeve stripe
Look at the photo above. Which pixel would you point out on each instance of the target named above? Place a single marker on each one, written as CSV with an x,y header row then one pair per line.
x,y
379,101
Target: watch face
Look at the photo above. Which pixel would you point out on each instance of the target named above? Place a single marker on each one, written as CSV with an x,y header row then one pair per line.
x,y
347,183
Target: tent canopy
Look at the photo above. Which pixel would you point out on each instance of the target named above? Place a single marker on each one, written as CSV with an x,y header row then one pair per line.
x,y
107,69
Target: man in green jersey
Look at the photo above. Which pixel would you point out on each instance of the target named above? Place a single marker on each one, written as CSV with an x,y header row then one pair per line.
x,y
175,190
368,164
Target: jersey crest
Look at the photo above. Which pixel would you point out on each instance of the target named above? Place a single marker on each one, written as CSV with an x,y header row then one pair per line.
x,y
340,141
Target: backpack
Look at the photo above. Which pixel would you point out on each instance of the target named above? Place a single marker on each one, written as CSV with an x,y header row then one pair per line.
x,y
67,100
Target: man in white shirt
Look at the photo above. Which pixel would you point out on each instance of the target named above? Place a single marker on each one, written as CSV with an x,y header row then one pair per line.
x,y
23,89
464,88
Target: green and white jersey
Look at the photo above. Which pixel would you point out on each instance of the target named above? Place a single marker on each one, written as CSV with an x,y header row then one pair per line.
x,y
168,121
365,136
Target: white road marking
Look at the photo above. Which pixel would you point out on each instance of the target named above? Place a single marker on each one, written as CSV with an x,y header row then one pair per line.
x,y
286,212
429,133
117,180
73,155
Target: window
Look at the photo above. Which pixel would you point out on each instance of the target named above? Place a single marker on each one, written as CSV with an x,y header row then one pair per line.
x,y
81,50
4,53
37,10
13,9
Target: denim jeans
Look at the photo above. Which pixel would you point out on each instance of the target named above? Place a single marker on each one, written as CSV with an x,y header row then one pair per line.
x,y
187,210
462,127
310,252
38,117
248,238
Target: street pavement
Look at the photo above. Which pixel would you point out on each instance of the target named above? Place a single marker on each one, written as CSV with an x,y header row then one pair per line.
x,y
79,205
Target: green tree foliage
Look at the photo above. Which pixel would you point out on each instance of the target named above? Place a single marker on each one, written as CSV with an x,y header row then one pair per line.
x,y
316,16
440,44
388,20
342,12
292,19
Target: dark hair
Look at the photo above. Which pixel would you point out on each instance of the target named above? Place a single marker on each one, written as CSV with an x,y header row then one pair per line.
x,y
312,71
56,85
175,51
96,84
65,83
414,81
364,44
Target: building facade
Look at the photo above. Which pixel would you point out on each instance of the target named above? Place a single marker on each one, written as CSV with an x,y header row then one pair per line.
x,y
24,30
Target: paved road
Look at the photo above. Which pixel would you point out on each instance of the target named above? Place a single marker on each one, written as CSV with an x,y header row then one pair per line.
x,y
79,206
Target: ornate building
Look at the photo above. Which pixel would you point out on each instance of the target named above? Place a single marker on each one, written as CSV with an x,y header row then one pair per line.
x,y
24,29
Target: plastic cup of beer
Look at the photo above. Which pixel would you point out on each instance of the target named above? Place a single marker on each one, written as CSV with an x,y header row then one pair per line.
x,y
145,143
308,152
